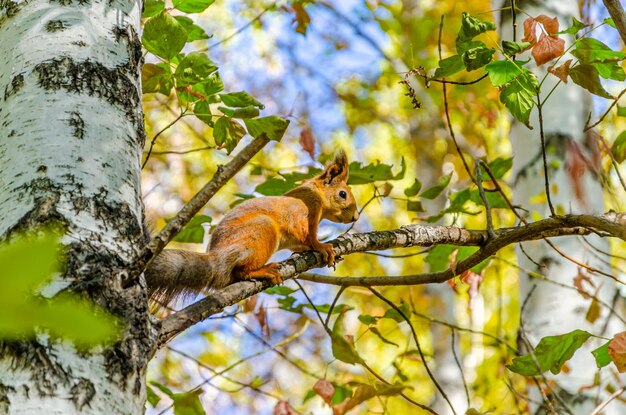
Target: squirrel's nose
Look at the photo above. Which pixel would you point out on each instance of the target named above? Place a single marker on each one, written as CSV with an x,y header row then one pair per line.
x,y
355,217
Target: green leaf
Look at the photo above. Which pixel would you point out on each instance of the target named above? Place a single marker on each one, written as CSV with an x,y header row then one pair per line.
x,y
274,187
156,78
495,199
193,232
588,77
341,394
310,394
367,319
211,86
194,32
28,264
478,56
504,71
512,48
202,110
414,189
162,388
449,66
518,96
373,172
414,206
245,112
153,398
619,147
192,6
227,133
472,27
194,67
499,167
621,111
163,36
152,7
436,190
463,252
342,348
576,27
188,403
240,99
610,70
273,127
590,50
610,22
438,258
550,354
393,314
601,354
280,290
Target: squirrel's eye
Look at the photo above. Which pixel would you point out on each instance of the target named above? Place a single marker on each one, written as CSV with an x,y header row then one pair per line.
x,y
343,194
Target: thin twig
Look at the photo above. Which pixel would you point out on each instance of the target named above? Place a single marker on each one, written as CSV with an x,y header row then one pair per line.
x,y
460,366
608,400
481,192
174,121
193,150
417,343
543,154
617,98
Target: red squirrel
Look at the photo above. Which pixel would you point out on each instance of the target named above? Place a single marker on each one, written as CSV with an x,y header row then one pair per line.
x,y
251,232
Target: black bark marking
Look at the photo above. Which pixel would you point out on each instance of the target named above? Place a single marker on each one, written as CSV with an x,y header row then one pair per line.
x,y
133,46
42,169
55,26
11,8
78,124
82,393
94,79
16,84
5,402
72,2
46,373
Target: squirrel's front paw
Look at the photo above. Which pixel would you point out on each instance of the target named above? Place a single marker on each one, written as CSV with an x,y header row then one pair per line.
x,y
328,253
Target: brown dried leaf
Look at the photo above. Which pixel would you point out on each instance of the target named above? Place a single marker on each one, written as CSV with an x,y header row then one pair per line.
x,y
302,17
283,408
549,45
307,141
562,71
250,304
617,351
261,317
578,283
473,280
551,24
576,165
530,30
361,394
325,390
547,48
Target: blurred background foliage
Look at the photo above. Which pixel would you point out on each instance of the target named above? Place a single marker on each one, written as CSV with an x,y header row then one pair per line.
x,y
334,70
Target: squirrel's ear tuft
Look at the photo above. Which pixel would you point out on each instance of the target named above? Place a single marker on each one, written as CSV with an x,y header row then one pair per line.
x,y
337,171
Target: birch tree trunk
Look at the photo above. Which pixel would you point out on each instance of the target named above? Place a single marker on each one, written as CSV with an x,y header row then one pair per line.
x,y
551,309
71,136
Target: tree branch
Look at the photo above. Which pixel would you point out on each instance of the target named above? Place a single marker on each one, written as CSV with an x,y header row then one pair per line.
x,y
613,224
619,17
220,178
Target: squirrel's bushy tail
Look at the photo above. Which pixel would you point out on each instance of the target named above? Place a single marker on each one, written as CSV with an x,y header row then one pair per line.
x,y
176,273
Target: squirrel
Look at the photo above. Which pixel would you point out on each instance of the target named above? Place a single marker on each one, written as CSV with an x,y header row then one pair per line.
x,y
251,232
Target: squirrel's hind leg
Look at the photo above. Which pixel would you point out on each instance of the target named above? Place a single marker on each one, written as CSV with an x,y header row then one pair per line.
x,y
260,244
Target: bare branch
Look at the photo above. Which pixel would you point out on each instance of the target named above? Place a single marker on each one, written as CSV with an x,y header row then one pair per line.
x,y
407,236
619,17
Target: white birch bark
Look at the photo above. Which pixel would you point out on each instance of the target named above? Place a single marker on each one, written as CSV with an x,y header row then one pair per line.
x,y
553,310
71,135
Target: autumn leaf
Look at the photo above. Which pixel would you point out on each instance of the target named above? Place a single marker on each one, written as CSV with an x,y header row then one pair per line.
x,y
576,165
617,351
302,18
307,141
549,46
562,71
578,283
325,390
283,408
